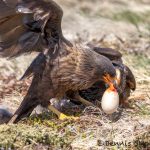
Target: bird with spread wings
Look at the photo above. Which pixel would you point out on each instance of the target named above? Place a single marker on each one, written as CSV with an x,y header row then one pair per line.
x,y
29,25
60,67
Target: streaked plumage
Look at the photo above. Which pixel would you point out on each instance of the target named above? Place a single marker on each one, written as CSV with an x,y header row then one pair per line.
x,y
75,69
127,81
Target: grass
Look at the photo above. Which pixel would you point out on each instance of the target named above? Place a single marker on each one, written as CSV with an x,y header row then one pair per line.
x,y
135,18
144,110
17,136
117,13
139,62
37,129
129,16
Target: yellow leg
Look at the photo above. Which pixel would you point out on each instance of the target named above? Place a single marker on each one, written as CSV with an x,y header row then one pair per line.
x,y
84,101
60,115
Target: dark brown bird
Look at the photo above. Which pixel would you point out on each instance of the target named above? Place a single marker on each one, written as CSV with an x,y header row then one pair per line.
x,y
95,93
127,79
75,69
30,25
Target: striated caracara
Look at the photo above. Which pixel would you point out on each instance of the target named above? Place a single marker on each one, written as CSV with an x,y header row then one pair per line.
x,y
75,69
127,79
35,25
95,93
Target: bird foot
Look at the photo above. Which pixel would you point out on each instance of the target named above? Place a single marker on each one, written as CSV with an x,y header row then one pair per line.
x,y
65,117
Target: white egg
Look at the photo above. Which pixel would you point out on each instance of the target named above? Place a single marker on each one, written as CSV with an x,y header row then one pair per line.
x,y
110,101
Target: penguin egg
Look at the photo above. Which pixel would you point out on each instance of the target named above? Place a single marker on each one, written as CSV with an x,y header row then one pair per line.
x,y
110,101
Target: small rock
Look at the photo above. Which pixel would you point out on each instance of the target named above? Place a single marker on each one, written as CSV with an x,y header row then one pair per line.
x,y
5,115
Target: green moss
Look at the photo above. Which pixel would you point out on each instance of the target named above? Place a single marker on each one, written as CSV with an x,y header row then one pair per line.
x,y
17,136
40,129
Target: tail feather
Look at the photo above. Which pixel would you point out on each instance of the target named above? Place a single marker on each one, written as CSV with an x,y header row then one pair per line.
x,y
24,110
30,25
107,52
29,102
10,23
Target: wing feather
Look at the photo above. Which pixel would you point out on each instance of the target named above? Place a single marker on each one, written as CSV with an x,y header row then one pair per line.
x,y
30,25
7,8
108,52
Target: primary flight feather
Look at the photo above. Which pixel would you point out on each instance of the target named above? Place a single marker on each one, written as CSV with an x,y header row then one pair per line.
x,y
30,25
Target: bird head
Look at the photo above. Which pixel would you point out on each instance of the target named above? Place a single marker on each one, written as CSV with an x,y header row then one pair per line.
x,y
108,73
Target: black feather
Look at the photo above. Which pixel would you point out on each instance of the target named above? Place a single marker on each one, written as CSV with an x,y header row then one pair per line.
x,y
30,25
36,67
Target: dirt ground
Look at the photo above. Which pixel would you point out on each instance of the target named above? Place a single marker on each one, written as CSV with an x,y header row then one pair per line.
x,y
120,24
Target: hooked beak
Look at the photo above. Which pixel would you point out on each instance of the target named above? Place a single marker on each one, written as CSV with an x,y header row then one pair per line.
x,y
110,82
113,83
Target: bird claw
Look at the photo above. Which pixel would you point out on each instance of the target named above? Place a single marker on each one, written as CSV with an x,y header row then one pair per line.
x,y
65,117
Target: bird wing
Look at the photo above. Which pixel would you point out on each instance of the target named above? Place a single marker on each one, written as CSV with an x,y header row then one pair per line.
x,y
30,25
108,52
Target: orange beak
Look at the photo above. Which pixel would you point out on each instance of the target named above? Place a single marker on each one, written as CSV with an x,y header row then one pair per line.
x,y
110,81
